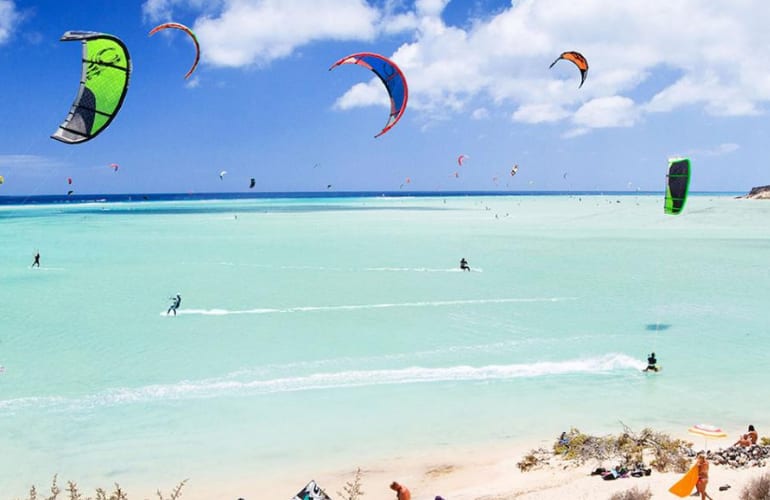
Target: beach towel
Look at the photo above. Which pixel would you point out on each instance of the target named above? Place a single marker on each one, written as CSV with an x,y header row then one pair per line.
x,y
684,486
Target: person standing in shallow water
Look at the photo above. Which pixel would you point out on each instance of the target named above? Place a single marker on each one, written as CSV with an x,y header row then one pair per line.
x,y
464,265
36,262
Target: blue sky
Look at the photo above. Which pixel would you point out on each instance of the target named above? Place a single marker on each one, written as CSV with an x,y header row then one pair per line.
x,y
666,78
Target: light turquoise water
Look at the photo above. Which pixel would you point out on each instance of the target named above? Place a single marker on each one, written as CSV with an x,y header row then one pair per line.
x,y
333,330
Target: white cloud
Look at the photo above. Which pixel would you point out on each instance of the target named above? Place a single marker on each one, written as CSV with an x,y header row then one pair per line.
x,y
248,32
722,149
363,94
605,112
28,162
9,16
501,60
480,114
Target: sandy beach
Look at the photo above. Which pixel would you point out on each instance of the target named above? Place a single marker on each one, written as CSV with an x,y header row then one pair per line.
x,y
471,474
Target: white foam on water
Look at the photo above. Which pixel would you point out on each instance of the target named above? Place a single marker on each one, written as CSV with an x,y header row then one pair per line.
x,y
355,307
607,364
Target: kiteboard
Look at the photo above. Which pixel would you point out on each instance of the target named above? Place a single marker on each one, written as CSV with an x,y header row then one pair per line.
x,y
684,486
654,371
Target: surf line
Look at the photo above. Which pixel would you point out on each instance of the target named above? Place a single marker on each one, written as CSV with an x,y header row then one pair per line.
x,y
354,307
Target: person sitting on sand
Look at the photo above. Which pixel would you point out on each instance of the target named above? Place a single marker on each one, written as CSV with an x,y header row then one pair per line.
x,y
464,265
402,492
703,475
651,363
748,439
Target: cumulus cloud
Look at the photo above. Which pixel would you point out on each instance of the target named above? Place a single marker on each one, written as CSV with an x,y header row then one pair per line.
x,y
722,149
9,17
501,60
249,32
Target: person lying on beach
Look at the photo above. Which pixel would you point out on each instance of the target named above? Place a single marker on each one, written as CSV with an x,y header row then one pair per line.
x,y
651,363
402,492
748,439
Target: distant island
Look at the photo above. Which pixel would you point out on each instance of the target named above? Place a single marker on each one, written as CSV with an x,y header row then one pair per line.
x,y
758,193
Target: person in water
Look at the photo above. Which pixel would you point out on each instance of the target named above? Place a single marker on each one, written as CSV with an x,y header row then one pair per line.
x,y
402,492
703,475
464,265
174,304
36,262
651,363
748,439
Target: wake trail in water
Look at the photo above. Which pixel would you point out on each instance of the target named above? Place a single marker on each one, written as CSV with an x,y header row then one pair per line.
x,y
605,365
356,307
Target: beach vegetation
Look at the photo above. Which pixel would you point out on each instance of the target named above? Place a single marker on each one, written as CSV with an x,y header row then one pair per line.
x,y
633,494
630,448
535,459
764,441
72,492
757,489
352,488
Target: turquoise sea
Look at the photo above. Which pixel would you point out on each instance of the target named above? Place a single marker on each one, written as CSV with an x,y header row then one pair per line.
x,y
316,332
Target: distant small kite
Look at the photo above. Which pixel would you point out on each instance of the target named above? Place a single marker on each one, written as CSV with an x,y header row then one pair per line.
x,y
252,183
69,193
2,179
187,30
461,159
514,170
222,175
580,62
69,180
114,166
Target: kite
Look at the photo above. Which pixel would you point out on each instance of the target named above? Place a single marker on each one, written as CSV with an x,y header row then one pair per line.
x,y
580,62
222,175
406,181
514,170
189,32
2,179
677,185
461,159
311,492
114,166
69,180
252,183
390,75
69,193
103,86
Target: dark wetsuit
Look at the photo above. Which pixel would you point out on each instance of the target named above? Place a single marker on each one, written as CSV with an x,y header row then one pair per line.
x,y
175,304
37,260
651,362
464,265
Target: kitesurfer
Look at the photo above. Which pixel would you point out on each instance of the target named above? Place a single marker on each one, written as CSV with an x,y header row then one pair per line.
x,y
402,492
464,265
174,304
36,263
651,363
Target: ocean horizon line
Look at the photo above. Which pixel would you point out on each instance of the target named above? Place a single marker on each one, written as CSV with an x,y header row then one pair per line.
x,y
236,195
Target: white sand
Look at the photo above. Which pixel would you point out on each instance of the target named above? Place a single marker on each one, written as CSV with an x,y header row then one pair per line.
x,y
468,474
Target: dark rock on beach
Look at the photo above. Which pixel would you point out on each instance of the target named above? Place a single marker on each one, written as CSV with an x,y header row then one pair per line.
x,y
739,457
758,193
